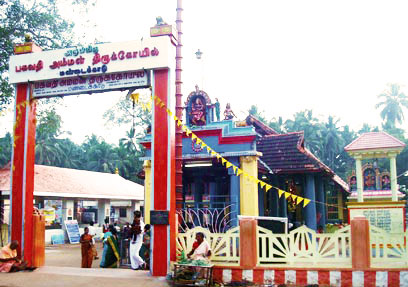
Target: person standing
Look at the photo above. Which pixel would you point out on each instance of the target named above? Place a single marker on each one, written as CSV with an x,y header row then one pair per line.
x,y
110,256
92,232
145,249
136,241
86,249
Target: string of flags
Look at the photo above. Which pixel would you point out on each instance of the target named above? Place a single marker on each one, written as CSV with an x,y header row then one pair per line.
x,y
296,199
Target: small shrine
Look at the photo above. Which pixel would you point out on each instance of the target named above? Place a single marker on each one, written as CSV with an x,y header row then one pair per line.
x,y
374,191
373,179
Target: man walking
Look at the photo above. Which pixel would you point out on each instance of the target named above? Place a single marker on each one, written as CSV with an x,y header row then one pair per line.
x,y
136,241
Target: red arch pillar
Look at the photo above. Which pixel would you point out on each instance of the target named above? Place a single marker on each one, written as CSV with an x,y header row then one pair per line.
x,y
163,196
22,171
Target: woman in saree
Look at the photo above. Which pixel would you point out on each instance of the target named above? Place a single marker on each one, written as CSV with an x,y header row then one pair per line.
x,y
9,261
86,249
110,256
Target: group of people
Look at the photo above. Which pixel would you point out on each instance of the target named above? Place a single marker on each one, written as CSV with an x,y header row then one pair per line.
x,y
138,235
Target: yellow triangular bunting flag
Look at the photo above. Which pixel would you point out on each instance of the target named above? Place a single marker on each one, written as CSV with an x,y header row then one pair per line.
x,y
161,105
223,160
235,169
198,141
262,183
213,153
268,187
175,118
135,97
228,164
169,112
179,123
294,197
299,200
239,172
193,136
306,202
287,194
203,145
280,192
209,149
188,132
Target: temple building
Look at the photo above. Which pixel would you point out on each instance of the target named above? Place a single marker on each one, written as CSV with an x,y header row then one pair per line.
x,y
215,196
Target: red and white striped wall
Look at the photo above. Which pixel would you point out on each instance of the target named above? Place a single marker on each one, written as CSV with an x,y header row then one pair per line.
x,y
305,277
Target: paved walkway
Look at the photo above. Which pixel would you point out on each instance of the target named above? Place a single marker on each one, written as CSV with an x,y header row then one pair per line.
x,y
61,270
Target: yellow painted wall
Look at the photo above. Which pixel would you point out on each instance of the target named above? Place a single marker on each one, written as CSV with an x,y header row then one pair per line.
x,y
249,188
148,188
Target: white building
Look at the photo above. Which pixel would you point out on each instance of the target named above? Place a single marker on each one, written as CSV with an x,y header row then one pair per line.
x,y
77,194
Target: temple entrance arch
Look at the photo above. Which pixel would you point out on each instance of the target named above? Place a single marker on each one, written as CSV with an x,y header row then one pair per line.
x,y
94,69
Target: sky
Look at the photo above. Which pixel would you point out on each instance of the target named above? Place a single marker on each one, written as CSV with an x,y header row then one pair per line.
x,y
333,57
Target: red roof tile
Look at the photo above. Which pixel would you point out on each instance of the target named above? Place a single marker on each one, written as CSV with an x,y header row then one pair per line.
x,y
374,140
285,153
66,182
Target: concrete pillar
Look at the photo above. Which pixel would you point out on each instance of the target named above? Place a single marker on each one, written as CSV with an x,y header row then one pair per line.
x,y
67,209
283,204
213,197
147,189
393,175
103,210
320,205
247,248
310,209
234,193
249,188
261,199
359,177
360,243
163,197
22,171
273,199
234,199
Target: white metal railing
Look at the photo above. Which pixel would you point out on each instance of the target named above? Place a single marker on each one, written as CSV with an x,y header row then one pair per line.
x,y
224,246
388,247
304,245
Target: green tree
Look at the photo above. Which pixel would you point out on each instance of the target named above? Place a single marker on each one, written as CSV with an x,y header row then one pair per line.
x,y
392,103
312,128
42,20
99,155
332,142
5,149
48,150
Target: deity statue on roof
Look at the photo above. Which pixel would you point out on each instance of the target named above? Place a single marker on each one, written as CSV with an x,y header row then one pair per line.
x,y
217,109
228,113
197,114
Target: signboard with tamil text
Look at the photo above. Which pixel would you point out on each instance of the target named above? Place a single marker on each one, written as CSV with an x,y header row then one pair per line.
x,y
389,219
117,61
91,84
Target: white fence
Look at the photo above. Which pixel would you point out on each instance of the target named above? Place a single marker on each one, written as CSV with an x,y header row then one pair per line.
x,y
224,246
304,246
388,248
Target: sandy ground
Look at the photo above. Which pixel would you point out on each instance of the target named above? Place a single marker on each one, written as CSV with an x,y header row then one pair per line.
x,y
62,269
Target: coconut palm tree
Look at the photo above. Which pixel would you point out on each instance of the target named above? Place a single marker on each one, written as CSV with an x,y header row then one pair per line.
x,y
392,103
